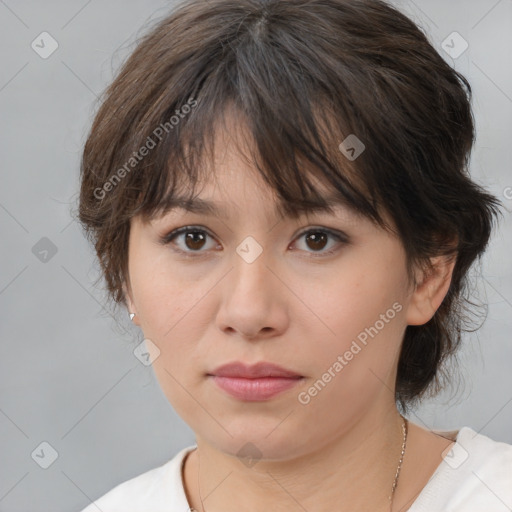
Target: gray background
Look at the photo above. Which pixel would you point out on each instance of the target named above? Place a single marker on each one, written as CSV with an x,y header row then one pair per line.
x,y
68,374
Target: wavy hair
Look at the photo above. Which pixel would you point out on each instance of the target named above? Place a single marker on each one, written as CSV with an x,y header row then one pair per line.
x,y
303,75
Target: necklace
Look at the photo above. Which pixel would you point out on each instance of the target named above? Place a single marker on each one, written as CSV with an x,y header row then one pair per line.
x,y
395,482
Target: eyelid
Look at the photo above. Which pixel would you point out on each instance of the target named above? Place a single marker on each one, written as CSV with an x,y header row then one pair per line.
x,y
331,231
167,238
341,237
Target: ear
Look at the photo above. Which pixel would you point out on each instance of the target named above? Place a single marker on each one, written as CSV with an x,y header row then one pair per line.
x,y
130,303
433,285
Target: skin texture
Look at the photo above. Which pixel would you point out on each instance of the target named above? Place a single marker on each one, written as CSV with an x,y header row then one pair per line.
x,y
301,309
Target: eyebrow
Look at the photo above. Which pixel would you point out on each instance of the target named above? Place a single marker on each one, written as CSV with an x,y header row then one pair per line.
x,y
208,207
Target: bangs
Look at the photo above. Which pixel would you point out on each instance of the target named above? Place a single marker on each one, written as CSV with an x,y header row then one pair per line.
x,y
297,157
293,117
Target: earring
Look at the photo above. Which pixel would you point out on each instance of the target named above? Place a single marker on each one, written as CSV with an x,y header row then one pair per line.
x,y
132,315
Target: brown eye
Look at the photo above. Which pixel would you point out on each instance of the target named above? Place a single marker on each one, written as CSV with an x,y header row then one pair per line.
x,y
194,240
188,240
316,240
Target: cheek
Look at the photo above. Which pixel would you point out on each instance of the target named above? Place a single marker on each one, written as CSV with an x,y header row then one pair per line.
x,y
164,295
362,293
363,310
175,309
174,323
355,367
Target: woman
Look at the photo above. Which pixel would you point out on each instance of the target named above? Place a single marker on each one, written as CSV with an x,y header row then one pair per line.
x,y
278,192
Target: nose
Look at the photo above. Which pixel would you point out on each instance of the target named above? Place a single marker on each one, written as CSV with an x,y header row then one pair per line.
x,y
254,301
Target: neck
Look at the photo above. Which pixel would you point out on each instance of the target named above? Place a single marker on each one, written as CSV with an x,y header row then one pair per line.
x,y
340,473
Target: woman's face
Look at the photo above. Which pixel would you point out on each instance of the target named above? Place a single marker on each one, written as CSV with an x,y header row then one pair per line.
x,y
252,286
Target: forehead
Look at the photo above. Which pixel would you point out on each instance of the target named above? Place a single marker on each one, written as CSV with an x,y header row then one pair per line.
x,y
233,178
230,182
223,207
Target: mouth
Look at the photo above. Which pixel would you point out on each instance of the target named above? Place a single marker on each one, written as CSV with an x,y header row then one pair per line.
x,y
254,390
258,382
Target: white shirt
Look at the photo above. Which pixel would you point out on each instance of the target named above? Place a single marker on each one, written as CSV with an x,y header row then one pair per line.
x,y
474,476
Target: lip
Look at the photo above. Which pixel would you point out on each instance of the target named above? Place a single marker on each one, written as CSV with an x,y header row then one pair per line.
x,y
254,371
257,382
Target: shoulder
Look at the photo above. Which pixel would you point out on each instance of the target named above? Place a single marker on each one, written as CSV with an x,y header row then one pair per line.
x,y
159,489
478,455
475,475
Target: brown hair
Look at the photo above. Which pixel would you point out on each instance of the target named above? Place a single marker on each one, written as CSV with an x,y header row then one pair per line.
x,y
303,75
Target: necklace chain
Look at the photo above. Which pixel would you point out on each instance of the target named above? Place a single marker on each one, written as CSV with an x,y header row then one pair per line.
x,y
395,482
404,442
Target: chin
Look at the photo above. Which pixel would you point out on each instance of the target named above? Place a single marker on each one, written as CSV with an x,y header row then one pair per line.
x,y
252,442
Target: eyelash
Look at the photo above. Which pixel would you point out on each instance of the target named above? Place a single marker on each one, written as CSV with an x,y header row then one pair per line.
x,y
168,238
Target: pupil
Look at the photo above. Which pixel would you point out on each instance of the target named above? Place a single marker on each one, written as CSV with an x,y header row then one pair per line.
x,y
190,239
315,238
